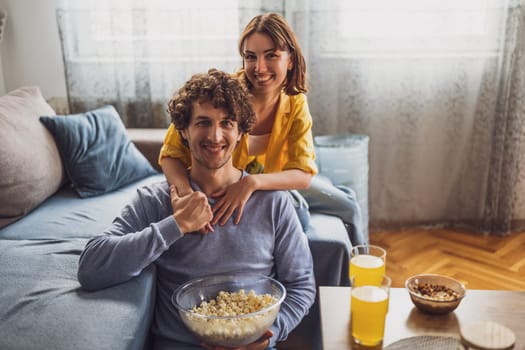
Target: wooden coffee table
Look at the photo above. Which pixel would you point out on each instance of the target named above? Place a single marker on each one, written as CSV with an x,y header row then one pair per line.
x,y
404,320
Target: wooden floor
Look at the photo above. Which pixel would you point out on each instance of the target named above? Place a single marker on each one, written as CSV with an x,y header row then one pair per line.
x,y
480,262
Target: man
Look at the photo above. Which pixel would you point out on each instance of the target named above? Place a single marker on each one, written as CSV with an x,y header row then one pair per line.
x,y
211,111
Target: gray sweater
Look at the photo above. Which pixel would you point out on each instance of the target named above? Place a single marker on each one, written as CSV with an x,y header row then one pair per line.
x,y
269,240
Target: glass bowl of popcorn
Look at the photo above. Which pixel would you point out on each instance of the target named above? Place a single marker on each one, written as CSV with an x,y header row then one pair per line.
x,y
229,310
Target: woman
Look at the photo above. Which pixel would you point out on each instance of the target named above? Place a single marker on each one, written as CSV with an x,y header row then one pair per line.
x,y
279,151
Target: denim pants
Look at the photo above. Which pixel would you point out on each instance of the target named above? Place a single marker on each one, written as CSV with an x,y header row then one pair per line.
x,y
324,197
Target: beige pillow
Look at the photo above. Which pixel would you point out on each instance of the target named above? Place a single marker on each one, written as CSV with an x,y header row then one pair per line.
x,y
30,165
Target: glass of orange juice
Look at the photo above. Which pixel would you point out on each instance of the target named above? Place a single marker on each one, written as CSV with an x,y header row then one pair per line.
x,y
368,308
367,265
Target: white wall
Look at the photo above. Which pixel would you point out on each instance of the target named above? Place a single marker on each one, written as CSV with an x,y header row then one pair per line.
x,y
30,51
2,87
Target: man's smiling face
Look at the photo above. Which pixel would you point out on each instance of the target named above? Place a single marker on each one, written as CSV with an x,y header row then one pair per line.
x,y
211,136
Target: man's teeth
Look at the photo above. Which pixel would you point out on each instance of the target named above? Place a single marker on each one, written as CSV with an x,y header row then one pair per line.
x,y
214,148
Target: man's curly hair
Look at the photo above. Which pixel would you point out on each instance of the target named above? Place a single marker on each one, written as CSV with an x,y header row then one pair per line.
x,y
222,90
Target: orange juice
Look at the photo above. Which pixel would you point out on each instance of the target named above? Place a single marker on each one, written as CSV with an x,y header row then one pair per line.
x,y
366,269
369,306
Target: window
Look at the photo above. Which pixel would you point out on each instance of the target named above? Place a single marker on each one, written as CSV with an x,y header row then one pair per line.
x,y
414,27
161,30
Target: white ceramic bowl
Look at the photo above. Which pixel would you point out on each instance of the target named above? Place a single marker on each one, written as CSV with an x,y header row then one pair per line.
x,y
228,331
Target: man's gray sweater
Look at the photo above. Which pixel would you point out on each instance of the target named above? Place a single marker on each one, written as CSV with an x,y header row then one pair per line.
x,y
268,240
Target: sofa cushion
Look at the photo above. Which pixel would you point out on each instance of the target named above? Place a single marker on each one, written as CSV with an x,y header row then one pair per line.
x,y
97,153
42,305
30,165
74,217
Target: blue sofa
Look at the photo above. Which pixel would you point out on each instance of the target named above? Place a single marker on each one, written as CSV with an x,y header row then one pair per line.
x,y
41,303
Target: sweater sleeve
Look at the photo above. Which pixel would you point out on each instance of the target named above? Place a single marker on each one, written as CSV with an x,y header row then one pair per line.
x,y
294,268
135,239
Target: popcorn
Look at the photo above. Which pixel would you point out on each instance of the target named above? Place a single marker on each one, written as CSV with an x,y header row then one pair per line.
x,y
232,304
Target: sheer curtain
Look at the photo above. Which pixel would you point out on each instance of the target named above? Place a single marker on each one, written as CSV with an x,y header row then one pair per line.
x,y
134,54
439,86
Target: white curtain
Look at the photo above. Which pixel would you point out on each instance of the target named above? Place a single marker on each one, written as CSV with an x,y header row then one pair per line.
x,y
439,86
134,54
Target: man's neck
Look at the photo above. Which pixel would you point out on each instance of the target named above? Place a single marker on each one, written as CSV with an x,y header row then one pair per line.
x,y
213,181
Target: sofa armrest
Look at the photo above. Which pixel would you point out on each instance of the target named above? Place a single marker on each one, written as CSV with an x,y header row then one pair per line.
x,y
149,142
330,247
43,307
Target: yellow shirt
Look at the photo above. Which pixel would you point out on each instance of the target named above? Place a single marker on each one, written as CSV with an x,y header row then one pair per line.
x,y
290,146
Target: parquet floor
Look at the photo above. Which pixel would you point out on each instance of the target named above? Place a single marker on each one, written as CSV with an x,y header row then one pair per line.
x,y
479,261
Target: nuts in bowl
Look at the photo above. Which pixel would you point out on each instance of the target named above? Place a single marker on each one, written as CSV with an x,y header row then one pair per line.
x,y
435,294
229,310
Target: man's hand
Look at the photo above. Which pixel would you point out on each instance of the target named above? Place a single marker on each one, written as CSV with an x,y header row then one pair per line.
x,y
260,344
192,212
234,197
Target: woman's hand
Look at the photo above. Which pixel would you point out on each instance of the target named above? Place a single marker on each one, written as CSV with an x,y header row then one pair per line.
x,y
262,343
232,198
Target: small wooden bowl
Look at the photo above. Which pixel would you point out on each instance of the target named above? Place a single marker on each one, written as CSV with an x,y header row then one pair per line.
x,y
443,302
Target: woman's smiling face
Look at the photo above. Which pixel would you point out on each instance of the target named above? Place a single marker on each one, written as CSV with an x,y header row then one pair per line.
x,y
266,66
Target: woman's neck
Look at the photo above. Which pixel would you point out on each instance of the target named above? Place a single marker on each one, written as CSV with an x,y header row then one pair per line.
x,y
266,99
265,108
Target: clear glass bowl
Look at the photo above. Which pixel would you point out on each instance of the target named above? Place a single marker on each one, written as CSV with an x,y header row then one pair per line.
x,y
435,305
228,331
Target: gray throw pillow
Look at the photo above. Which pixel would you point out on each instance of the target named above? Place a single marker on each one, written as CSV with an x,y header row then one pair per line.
x,y
30,165
96,151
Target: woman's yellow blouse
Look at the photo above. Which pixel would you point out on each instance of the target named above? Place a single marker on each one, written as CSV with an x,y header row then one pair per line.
x,y
290,146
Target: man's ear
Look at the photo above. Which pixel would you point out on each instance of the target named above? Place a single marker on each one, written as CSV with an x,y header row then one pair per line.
x,y
183,136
